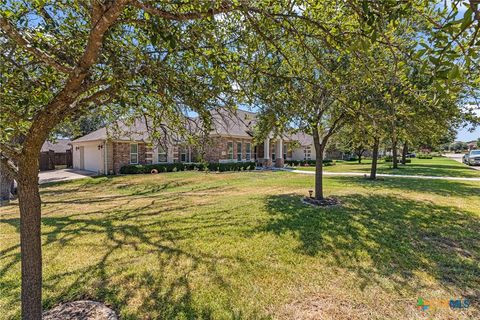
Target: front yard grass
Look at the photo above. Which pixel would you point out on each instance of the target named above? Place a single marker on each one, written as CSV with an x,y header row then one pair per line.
x,y
191,245
423,167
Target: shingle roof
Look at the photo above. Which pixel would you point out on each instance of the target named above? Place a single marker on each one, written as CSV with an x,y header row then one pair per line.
x,y
302,138
240,123
59,146
138,131
100,134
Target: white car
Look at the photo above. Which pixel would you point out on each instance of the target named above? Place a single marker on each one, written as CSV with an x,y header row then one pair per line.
x,y
473,158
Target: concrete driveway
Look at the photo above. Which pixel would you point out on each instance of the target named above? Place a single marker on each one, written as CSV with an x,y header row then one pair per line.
x,y
458,157
63,175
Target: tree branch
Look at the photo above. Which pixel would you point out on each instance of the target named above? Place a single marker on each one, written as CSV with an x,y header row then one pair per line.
x,y
9,151
8,166
98,97
16,36
336,124
224,7
59,107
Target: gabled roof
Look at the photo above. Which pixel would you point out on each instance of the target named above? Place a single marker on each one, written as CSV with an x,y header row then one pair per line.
x,y
302,138
239,123
139,130
59,146
100,134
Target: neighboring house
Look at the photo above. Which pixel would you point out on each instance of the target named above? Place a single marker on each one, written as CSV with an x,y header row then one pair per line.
x,y
472,145
231,140
58,153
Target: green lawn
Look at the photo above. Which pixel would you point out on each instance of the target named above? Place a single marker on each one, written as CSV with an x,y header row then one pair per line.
x,y
422,167
192,245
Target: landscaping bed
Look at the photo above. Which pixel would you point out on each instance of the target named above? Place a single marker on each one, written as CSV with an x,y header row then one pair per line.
x,y
175,167
308,163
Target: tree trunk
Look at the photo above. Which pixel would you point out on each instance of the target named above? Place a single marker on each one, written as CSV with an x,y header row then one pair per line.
x,y
6,183
394,154
319,176
373,170
30,240
404,153
318,165
359,155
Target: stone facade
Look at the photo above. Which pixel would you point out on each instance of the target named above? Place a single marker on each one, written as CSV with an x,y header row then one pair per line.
x,y
279,162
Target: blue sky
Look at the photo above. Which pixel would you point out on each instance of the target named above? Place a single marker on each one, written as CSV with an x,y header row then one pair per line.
x,y
465,135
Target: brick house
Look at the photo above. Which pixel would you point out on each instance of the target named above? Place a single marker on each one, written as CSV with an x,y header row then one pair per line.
x,y
231,140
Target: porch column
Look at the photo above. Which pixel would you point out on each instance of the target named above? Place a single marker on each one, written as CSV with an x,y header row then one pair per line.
x,y
279,153
266,152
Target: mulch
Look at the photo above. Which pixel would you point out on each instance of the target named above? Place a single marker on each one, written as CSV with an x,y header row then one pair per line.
x,y
80,310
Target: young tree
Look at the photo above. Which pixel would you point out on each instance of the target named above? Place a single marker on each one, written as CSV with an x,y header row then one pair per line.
x,y
303,86
353,138
308,75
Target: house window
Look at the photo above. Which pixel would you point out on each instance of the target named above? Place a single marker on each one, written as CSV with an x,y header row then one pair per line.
x,y
230,150
248,150
239,151
134,153
273,155
307,153
162,154
284,152
184,155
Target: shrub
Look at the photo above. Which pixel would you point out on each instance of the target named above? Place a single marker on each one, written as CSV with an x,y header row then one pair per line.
x,y
174,167
436,154
424,156
304,163
390,159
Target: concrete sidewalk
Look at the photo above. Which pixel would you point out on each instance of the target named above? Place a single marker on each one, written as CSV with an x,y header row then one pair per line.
x,y
381,175
63,175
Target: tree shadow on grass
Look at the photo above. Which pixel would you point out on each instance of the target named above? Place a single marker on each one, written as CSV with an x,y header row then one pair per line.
x,y
378,237
440,187
157,274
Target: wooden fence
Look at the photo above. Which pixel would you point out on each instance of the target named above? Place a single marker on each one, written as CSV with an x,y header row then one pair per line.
x,y
49,159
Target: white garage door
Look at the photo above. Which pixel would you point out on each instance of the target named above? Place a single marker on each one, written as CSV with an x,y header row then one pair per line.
x,y
92,159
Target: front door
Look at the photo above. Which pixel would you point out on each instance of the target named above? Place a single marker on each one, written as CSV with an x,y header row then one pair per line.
x,y
82,158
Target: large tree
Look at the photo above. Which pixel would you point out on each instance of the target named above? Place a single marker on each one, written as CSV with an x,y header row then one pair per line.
x,y
59,60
